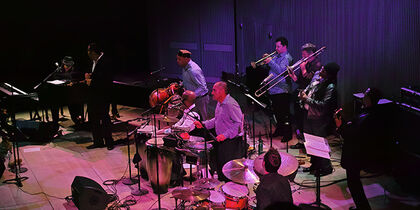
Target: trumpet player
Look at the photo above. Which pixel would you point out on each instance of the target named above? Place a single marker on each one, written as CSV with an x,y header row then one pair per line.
x,y
280,94
302,78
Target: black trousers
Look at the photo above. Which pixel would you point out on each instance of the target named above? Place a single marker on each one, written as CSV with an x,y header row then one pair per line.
x,y
224,152
281,109
75,110
100,122
356,188
299,115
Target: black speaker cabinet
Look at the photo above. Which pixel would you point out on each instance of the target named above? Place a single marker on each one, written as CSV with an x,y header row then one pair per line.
x,y
88,194
37,131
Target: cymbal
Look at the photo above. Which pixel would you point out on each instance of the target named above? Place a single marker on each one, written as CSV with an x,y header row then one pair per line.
x,y
240,171
165,118
170,119
193,195
207,183
288,167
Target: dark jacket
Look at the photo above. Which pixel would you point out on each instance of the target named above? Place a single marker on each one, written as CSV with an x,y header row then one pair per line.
x,y
323,101
367,141
273,188
101,84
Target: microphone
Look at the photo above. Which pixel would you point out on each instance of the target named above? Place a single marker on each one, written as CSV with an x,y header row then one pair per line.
x,y
58,66
157,71
266,79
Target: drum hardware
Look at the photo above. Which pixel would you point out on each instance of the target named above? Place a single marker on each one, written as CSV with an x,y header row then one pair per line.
x,y
240,171
207,183
191,160
188,194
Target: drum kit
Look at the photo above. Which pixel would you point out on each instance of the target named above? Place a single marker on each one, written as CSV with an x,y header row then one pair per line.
x,y
205,193
235,194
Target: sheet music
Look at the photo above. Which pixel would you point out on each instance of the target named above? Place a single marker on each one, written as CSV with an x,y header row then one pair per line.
x,y
317,146
57,82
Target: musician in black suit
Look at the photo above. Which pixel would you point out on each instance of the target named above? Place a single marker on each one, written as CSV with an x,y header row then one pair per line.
x,y
274,188
368,141
100,82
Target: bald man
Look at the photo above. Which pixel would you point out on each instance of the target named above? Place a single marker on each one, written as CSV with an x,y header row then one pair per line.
x,y
193,79
228,125
186,123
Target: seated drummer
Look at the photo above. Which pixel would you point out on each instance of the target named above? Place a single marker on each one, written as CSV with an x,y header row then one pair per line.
x,y
186,123
190,114
227,123
274,188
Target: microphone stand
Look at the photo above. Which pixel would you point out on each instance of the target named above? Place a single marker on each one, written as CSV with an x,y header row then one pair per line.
x,y
129,180
205,141
48,77
244,90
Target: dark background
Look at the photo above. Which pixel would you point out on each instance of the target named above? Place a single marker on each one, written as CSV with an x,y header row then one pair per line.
x,y
376,42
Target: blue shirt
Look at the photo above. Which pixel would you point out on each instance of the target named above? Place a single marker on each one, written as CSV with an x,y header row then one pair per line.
x,y
227,119
193,79
277,66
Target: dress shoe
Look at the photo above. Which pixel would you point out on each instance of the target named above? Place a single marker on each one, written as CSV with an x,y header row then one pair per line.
x,y
110,147
297,146
93,146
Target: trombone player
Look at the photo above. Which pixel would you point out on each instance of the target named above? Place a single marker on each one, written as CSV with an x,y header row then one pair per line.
x,y
302,78
280,93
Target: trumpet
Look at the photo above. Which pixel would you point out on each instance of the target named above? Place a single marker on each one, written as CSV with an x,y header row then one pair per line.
x,y
290,69
258,62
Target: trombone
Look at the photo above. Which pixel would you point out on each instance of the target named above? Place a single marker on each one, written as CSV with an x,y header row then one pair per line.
x,y
274,81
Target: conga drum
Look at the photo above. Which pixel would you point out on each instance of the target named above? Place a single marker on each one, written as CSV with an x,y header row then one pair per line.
x,y
157,152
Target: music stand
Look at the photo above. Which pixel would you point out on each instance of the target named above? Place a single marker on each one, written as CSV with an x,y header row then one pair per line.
x,y
14,135
244,90
317,146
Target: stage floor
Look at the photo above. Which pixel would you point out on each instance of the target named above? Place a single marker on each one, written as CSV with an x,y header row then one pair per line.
x,y
53,166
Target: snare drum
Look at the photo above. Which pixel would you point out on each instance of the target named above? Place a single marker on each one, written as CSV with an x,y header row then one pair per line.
x,y
217,200
236,195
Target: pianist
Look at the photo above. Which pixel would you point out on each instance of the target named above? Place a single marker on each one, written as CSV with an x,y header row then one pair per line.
x,y
72,77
